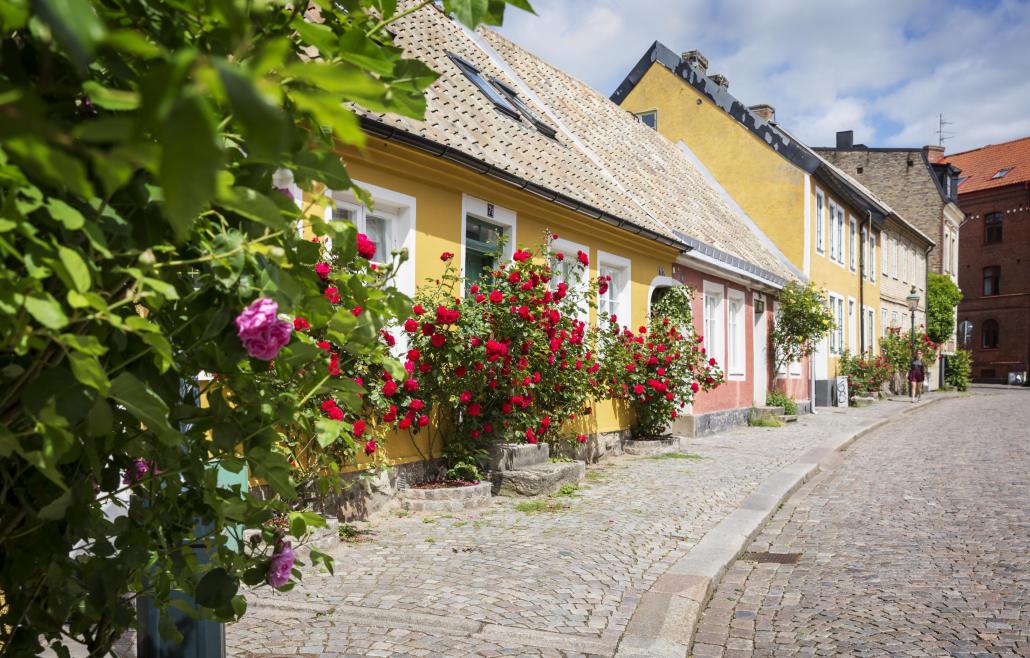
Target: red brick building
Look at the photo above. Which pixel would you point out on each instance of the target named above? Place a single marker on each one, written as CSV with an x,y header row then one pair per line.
x,y
994,266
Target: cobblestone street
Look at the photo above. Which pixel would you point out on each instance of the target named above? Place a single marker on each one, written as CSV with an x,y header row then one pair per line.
x,y
916,544
564,580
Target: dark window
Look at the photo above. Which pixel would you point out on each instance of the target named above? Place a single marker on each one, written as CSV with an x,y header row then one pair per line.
x,y
514,99
473,74
482,244
649,118
860,170
1001,173
992,227
989,334
988,373
992,280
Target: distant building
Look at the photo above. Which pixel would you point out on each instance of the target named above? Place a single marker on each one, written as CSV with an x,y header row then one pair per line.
x,y
923,189
994,270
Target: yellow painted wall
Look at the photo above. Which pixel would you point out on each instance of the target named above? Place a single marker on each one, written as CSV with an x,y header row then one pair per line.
x,y
769,188
438,186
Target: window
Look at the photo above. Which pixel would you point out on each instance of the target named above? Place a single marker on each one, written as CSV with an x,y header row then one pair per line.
x,y
513,98
840,235
837,335
992,280
954,253
568,271
615,302
904,263
1001,173
947,250
894,319
870,331
871,258
965,333
487,230
649,118
819,220
851,244
473,74
736,358
894,258
992,227
714,321
886,242
852,327
883,322
989,335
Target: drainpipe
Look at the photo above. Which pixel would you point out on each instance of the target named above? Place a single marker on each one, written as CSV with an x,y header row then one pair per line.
x,y
926,307
862,246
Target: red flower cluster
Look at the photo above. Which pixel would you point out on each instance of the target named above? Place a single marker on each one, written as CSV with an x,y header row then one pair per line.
x,y
366,248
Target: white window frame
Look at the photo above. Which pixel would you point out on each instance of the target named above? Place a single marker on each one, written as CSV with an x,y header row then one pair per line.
x,y
490,213
946,260
624,291
837,311
872,256
852,324
569,249
894,319
894,258
870,330
885,242
736,335
840,235
904,263
883,321
833,230
820,218
401,211
715,322
852,234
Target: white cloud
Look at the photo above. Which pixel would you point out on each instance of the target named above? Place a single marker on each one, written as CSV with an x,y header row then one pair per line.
x,y
883,68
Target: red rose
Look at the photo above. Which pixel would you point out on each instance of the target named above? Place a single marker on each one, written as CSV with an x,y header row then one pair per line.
x,y
583,258
474,288
496,296
694,387
328,404
335,413
366,248
411,385
521,255
460,371
359,428
418,405
446,256
333,295
323,270
334,364
559,256
414,355
554,236
405,423
300,324
389,388
581,438
602,287
370,446
711,362
638,389
357,311
428,328
438,340
417,309
410,325
423,421
323,345
530,436
479,298
465,397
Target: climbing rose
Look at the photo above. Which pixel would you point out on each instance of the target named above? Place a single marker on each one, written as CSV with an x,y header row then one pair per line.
x,y
413,355
496,296
410,325
370,446
582,258
711,362
332,294
300,324
694,386
423,421
417,309
474,409
280,565
357,310
366,248
263,334
521,255
465,397
323,270
359,427
446,256
389,388
582,438
139,469
438,340
335,413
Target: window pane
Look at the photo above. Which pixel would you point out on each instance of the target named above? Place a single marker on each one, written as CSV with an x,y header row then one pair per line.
x,y
377,230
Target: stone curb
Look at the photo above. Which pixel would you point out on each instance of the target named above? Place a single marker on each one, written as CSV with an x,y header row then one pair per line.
x,y
664,621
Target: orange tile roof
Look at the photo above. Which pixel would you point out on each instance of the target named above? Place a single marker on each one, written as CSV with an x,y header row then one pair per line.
x,y
979,166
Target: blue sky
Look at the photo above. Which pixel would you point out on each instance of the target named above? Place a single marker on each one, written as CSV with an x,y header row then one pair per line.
x,y
883,68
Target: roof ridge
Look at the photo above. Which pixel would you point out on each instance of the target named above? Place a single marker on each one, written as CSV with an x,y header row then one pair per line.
x,y
987,146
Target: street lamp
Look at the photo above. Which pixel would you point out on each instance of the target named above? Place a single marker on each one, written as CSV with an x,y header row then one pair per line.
x,y
913,304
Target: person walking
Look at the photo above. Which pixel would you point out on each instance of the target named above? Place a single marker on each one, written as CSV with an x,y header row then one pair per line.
x,y
916,375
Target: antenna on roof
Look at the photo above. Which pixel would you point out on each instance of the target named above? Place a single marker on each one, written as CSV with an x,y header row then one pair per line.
x,y
941,133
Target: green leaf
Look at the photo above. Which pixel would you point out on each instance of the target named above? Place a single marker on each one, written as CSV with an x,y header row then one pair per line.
x,y
190,161
298,526
132,43
88,371
86,344
110,99
365,53
46,310
216,589
71,218
76,267
254,206
319,36
75,25
329,111
146,405
162,350
328,430
264,123
57,508
100,419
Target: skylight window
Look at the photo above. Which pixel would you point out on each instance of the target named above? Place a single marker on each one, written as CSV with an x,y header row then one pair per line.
x,y
514,99
473,74
1001,173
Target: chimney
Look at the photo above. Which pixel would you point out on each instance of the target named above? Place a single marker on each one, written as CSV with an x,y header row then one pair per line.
x,y
765,112
933,153
720,79
845,139
696,59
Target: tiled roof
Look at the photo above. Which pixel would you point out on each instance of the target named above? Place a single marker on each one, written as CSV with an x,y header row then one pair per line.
x,y
979,166
605,158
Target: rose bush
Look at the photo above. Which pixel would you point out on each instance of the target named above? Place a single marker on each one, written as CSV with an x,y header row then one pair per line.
x,y
896,349
511,361
658,370
866,375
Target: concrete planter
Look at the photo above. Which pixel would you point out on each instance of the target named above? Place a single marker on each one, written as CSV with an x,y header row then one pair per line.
x,y
646,447
523,469
446,499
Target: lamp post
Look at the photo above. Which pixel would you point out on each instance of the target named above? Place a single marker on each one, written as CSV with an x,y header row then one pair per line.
x,y
913,304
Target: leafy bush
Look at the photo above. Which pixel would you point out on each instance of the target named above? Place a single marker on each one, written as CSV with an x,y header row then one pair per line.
x,y
959,369
512,361
896,350
464,471
140,147
866,376
781,399
802,320
658,371
942,297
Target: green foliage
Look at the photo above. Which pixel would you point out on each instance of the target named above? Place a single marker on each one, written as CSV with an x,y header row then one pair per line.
x,y
676,455
942,298
137,153
896,350
781,399
464,471
567,490
674,304
866,376
764,422
959,369
802,320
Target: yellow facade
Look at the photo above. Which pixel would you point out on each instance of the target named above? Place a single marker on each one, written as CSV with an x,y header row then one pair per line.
x,y
773,191
442,191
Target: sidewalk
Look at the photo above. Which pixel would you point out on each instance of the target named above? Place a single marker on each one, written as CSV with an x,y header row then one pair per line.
x,y
566,579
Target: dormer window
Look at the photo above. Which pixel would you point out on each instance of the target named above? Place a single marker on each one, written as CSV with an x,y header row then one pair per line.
x,y
649,118
1001,173
514,99
504,98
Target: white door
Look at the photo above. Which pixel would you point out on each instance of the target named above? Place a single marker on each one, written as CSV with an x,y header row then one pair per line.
x,y
761,341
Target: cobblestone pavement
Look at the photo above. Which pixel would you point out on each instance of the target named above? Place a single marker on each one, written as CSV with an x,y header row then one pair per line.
x,y
916,544
507,582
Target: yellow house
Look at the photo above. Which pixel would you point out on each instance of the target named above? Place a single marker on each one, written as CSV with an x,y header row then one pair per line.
x,y
821,221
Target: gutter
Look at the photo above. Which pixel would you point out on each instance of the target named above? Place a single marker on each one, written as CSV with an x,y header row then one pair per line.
x,y
436,149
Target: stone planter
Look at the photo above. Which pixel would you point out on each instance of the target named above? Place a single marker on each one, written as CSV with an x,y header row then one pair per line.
x,y
647,447
523,469
597,447
517,456
445,499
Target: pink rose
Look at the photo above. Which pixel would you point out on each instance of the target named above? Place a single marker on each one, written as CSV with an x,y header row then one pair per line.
x,y
323,270
262,333
280,566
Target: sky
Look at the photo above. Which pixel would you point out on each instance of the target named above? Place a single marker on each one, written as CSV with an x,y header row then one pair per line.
x,y
883,68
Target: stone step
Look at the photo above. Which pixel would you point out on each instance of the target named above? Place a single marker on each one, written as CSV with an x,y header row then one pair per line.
x,y
770,413
787,418
863,401
517,456
652,447
537,480
449,499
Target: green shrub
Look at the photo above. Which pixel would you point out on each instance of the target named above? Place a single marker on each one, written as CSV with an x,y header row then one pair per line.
x,y
464,471
781,399
959,368
866,376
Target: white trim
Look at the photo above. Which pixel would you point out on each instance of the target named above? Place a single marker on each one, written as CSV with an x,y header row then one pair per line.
x,y
490,213
715,351
807,260
569,249
624,266
736,371
820,220
853,246
852,325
